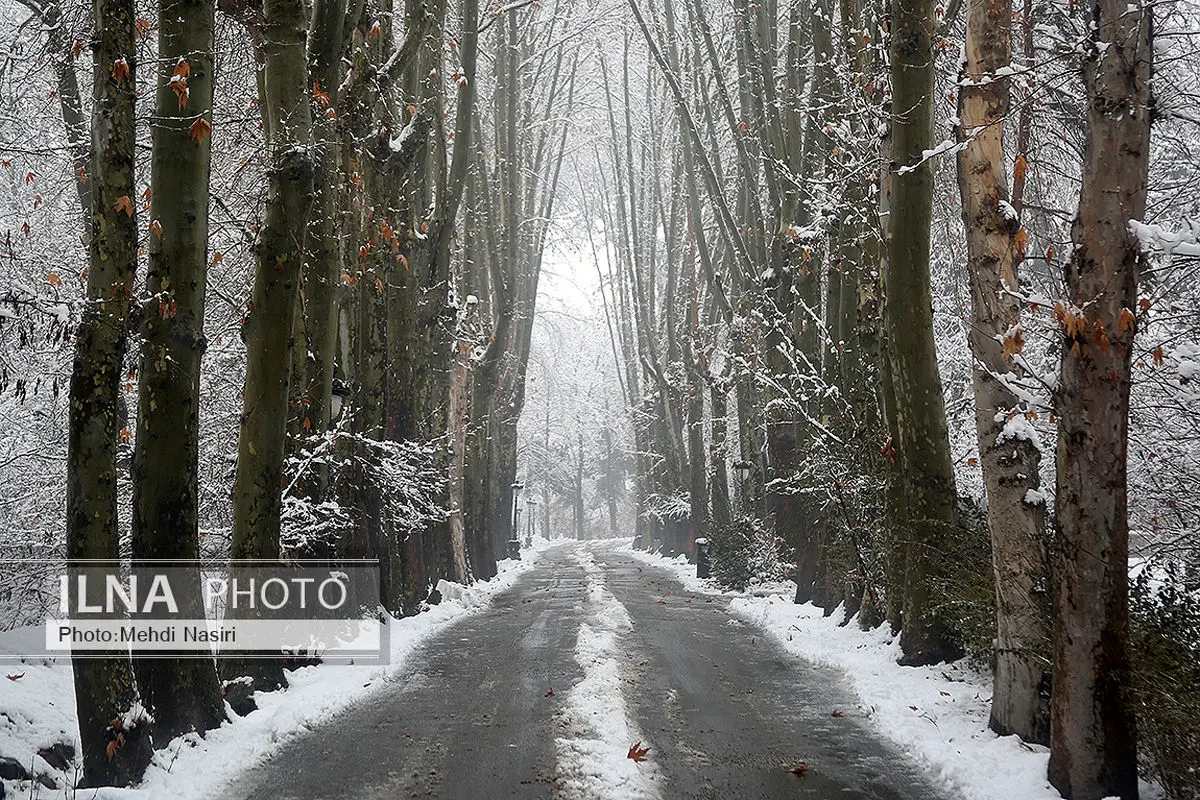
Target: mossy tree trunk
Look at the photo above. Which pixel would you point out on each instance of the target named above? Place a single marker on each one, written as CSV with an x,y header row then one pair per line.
x,y
104,686
920,412
268,331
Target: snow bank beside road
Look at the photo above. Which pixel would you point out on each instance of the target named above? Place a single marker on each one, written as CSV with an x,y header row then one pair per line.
x,y
38,709
938,715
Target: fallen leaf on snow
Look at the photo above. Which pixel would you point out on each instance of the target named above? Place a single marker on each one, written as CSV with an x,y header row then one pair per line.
x,y
637,752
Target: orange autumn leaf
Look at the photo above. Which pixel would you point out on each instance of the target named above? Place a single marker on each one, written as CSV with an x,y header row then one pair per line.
x,y
178,82
156,228
637,752
1125,321
120,71
1014,343
53,279
320,96
1020,167
200,130
1159,358
123,203
1020,242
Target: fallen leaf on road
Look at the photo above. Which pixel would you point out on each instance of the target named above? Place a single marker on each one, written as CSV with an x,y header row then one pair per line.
x,y
15,677
549,693
914,708
637,752
837,714
800,770
944,694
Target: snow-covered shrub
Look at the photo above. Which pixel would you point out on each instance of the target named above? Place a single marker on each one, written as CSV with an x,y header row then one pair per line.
x,y
1165,647
970,589
668,507
406,474
744,552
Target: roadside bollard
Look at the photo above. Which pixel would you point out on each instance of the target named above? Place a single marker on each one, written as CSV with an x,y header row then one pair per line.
x,y
703,565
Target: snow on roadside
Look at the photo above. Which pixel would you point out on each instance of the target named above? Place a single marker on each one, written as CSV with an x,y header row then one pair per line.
x,y
38,709
938,715
594,755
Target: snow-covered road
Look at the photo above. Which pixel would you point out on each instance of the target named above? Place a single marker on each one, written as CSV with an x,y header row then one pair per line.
x,y
587,654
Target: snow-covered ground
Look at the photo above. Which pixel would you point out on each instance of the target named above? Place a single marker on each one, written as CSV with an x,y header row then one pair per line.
x,y
938,715
594,755
37,706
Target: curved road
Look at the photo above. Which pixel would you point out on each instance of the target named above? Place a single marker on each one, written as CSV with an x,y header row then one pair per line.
x,y
486,708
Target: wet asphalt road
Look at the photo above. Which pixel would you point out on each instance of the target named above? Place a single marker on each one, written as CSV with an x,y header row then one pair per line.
x,y
725,712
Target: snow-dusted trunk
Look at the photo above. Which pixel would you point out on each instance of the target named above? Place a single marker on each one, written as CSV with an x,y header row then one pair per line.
x,y
267,331
183,694
1008,448
458,418
322,269
1093,746
104,687
924,444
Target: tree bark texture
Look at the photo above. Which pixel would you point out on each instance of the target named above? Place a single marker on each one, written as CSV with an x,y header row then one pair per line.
x,y
928,475
1015,508
183,694
1093,743
104,687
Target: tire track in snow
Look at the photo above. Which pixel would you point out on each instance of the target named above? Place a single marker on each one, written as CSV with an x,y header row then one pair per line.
x,y
593,756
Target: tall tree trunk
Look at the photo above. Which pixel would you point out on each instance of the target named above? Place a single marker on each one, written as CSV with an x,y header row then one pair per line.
x,y
1010,459
104,686
920,409
268,330
1093,745
323,248
183,694
718,457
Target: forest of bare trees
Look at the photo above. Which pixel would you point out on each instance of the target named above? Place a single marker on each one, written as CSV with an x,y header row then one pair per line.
x,y
894,301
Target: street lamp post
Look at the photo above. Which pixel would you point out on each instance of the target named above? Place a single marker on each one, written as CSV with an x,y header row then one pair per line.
x,y
337,399
514,544
531,520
